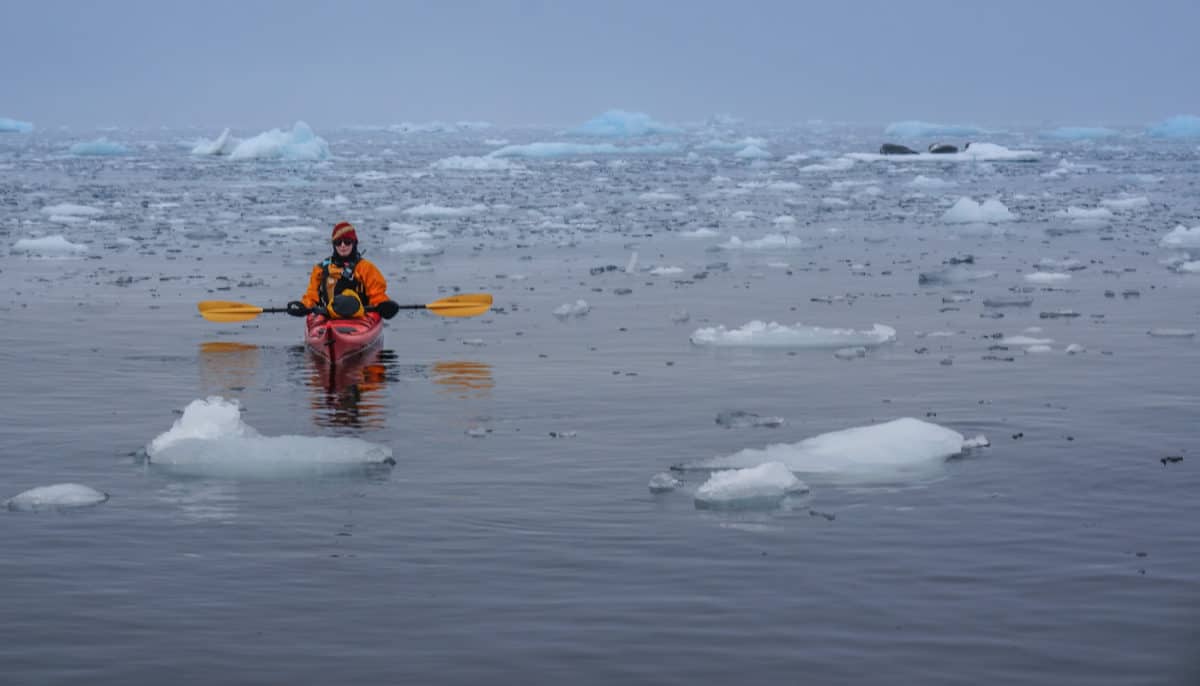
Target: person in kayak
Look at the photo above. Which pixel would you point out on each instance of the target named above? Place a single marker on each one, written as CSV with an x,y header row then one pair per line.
x,y
345,285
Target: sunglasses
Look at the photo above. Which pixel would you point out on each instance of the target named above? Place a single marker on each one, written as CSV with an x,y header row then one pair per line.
x,y
344,241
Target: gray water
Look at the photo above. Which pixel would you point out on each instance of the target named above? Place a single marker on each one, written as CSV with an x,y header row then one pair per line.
x,y
515,539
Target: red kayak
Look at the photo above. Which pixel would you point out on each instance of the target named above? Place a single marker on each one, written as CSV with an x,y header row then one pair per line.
x,y
339,339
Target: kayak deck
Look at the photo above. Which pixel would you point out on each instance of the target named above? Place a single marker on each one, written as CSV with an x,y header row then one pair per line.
x,y
339,339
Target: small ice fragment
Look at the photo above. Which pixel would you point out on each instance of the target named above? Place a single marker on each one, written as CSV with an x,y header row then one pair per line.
x,y
664,483
476,432
1075,349
681,317
979,441
850,353
761,487
56,497
576,309
1172,333
739,419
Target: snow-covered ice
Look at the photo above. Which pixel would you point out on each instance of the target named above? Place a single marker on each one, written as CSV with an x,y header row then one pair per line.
x,y
55,497
49,246
299,144
759,487
966,211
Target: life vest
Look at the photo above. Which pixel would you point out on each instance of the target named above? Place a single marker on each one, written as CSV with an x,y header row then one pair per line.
x,y
345,284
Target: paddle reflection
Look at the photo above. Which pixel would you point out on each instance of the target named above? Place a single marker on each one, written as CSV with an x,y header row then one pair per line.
x,y
467,379
227,367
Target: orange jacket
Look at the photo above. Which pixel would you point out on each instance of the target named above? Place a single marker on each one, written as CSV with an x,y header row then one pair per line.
x,y
368,276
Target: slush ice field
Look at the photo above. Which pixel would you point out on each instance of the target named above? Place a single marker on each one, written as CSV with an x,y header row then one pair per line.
x,y
750,398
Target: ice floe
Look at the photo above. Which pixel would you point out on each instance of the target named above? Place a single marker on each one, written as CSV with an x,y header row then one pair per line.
x,y
885,451
758,334
978,152
1047,277
460,163
967,211
771,241
575,309
210,439
55,497
1182,237
49,246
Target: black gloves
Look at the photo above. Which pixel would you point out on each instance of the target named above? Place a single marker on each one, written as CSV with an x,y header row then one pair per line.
x,y
297,309
387,309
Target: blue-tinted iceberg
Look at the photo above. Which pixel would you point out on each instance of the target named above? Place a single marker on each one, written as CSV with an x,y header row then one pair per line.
x,y
1078,133
622,124
101,147
1181,126
917,129
210,439
299,144
14,126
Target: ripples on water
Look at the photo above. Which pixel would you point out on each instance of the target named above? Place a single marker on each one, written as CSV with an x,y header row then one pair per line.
x,y
515,538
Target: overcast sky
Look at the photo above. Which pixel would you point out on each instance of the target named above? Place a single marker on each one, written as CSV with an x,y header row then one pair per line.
x,y
251,64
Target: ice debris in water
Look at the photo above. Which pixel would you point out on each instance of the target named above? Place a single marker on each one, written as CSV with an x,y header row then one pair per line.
x,y
757,334
953,275
967,211
210,439
763,486
50,246
850,353
664,483
1182,237
56,497
14,126
979,441
866,453
1046,277
739,419
1172,333
575,309
1008,301
1075,349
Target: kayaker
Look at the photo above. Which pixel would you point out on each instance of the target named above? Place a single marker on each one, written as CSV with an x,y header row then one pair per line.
x,y
345,285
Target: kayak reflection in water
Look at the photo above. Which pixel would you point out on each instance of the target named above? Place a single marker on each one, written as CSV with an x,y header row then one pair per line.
x,y
345,285
468,379
350,394
227,367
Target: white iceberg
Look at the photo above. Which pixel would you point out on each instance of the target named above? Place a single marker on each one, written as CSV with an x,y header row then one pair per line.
x,y
760,487
880,452
223,145
49,246
758,334
752,152
299,144
211,440
1126,203
575,309
967,211
101,147
1182,237
290,230
1047,277
622,124
55,497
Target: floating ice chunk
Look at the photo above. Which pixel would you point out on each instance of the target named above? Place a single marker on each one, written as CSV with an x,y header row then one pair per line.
x,y
575,309
1075,349
921,129
56,497
298,144
659,196
850,353
699,233
551,150
631,266
101,147
1038,349
289,230
771,241
1180,126
1126,203
1025,341
1086,213
1079,133
760,487
416,247
664,483
979,441
978,152
431,210
1192,267
967,211
1172,333
70,210
1046,277
51,246
739,419
14,126
1182,237
666,271
757,334
622,124
932,182
866,453
752,152
459,163
1008,301
953,275
1067,264
210,439
223,145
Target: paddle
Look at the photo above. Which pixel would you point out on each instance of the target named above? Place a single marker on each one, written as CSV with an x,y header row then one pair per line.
x,y
464,305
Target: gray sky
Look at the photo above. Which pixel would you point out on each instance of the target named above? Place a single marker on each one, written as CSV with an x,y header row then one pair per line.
x,y
254,64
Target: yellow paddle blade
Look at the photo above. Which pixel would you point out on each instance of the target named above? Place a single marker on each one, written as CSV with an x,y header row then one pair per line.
x,y
225,311
464,305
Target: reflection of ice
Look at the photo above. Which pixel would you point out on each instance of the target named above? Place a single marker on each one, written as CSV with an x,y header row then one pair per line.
x,y
202,501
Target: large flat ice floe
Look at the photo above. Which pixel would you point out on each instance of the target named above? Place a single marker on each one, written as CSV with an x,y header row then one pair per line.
x,y
55,497
211,440
978,152
880,452
758,334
